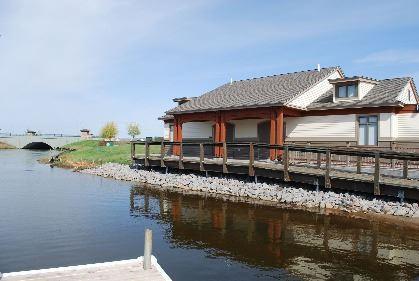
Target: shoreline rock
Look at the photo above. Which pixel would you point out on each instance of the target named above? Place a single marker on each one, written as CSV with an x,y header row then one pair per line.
x,y
275,193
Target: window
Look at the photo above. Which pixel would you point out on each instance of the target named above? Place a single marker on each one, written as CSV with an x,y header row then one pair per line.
x,y
347,91
410,95
368,130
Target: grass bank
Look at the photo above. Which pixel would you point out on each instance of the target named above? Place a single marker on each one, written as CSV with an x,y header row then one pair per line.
x,y
5,146
90,153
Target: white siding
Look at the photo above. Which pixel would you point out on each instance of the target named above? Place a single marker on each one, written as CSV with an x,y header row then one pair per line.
x,y
364,88
408,125
247,128
315,92
330,127
387,126
197,130
404,95
166,133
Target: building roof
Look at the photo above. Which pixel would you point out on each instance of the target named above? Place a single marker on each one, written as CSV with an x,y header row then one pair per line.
x,y
385,92
256,92
166,117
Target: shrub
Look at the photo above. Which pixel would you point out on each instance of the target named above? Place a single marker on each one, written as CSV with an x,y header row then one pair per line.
x,y
109,131
133,130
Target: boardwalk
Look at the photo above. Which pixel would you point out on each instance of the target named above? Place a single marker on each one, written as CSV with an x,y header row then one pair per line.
x,y
380,172
108,271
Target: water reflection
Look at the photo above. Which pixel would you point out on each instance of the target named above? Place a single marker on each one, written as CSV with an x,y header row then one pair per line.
x,y
308,245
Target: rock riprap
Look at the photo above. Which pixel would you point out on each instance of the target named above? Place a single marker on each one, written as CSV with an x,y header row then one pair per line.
x,y
259,191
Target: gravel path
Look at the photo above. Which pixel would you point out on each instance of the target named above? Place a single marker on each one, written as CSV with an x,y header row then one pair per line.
x,y
260,191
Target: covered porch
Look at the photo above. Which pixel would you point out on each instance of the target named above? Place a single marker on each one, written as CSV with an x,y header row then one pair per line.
x,y
258,125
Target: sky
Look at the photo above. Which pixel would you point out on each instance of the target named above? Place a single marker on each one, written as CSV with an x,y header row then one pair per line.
x,y
72,64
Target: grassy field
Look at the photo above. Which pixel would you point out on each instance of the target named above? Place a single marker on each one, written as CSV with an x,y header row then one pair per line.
x,y
88,153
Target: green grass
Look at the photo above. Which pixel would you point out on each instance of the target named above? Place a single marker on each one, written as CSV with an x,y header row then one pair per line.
x,y
5,146
89,153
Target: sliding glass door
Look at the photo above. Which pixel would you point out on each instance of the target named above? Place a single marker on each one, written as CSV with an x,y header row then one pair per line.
x,y
368,130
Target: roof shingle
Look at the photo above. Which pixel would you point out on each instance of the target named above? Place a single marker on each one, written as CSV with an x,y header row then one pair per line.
x,y
384,93
257,92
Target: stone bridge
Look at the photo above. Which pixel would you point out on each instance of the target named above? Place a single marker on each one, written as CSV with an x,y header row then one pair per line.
x,y
50,141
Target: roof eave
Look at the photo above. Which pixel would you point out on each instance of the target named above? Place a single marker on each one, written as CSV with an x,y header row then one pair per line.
x,y
398,104
228,108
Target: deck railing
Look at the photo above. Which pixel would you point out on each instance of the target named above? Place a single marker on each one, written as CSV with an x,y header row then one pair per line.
x,y
348,159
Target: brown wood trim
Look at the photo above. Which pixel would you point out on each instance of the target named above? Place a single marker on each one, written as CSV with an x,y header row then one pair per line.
x,y
236,114
409,108
347,111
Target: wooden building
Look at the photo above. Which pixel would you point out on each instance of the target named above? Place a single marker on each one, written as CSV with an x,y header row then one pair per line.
x,y
318,107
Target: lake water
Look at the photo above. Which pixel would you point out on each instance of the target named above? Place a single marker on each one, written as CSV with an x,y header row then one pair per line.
x,y
52,217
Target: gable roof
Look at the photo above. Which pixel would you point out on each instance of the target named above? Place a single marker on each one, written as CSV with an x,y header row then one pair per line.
x,y
385,92
256,92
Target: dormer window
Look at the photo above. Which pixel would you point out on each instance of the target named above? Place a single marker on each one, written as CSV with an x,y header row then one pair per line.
x,y
347,91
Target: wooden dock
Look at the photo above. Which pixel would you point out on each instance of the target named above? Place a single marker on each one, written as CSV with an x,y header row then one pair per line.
x,y
380,172
143,268
113,271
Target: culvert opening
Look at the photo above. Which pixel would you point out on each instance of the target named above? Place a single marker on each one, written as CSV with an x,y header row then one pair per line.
x,y
38,146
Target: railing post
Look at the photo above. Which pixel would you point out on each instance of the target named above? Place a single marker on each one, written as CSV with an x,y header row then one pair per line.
x,y
132,150
225,157
181,167
148,246
327,183
147,154
162,153
358,164
201,157
285,162
319,160
392,161
377,174
251,159
348,158
405,168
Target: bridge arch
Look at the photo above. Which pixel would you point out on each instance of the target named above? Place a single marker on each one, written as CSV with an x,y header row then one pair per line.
x,y
38,145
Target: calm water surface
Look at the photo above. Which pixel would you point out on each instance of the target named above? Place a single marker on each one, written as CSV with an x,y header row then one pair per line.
x,y
54,217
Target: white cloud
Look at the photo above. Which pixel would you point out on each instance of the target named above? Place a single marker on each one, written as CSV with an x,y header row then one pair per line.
x,y
391,57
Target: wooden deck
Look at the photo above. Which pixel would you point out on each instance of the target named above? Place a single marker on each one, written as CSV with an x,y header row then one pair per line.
x,y
388,173
112,271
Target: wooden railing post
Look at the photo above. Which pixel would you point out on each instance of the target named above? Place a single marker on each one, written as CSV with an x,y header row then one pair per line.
x,y
285,162
358,164
148,247
162,153
377,174
392,161
181,156
348,158
319,160
201,157
327,183
405,168
225,157
132,150
251,159
147,154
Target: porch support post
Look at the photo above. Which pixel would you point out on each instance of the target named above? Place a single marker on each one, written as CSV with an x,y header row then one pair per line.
x,y
220,133
177,135
272,134
223,132
280,130
217,134
175,150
